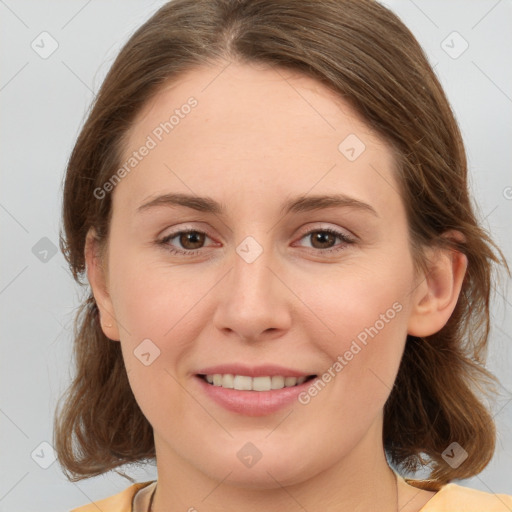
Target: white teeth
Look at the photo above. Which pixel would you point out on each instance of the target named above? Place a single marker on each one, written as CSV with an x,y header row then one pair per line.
x,y
242,383
228,381
262,383
245,383
290,381
277,382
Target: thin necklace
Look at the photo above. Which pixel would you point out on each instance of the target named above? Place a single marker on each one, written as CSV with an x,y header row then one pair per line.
x,y
150,506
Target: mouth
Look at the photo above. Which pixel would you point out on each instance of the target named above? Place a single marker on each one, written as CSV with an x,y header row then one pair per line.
x,y
255,390
258,384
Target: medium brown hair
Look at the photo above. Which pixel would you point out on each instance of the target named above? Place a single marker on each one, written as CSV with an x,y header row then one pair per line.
x,y
364,53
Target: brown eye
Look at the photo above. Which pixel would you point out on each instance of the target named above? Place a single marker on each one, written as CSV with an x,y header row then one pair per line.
x,y
184,242
191,239
325,240
322,239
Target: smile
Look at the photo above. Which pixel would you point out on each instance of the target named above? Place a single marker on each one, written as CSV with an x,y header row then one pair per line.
x,y
246,383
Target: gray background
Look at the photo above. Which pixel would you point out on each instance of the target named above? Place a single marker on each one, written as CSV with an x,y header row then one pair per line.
x,y
44,103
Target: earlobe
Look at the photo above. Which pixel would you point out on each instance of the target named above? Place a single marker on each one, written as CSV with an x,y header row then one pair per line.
x,y
96,274
436,297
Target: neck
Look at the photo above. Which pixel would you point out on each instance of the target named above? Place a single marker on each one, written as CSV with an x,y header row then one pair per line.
x,y
360,481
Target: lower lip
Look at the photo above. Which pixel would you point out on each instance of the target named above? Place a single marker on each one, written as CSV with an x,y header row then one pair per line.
x,y
253,403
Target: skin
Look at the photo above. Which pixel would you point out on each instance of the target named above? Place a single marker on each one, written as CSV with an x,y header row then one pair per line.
x,y
258,137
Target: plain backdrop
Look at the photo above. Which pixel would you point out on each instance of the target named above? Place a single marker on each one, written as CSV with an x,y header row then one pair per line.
x,y
45,91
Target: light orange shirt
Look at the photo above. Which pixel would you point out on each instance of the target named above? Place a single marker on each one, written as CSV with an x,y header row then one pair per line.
x,y
450,498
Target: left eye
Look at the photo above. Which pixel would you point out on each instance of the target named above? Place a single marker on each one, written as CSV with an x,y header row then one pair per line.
x,y
193,240
325,236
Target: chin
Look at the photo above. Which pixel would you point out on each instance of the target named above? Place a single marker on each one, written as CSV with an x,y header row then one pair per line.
x,y
269,467
267,476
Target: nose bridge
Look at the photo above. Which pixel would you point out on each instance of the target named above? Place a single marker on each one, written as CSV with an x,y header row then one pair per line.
x,y
251,278
252,301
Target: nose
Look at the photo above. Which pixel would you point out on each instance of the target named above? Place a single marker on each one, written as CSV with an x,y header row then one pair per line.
x,y
253,300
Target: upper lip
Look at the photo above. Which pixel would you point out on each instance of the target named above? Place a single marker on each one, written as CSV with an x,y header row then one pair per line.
x,y
253,371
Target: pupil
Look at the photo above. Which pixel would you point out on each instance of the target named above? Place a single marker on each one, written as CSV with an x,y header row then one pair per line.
x,y
323,237
191,238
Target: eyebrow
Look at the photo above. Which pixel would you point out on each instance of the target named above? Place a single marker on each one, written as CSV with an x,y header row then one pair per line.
x,y
295,205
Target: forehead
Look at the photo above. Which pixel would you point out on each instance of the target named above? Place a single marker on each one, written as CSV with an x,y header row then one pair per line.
x,y
254,130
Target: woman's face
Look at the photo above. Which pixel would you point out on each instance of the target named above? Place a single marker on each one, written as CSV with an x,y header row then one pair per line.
x,y
259,287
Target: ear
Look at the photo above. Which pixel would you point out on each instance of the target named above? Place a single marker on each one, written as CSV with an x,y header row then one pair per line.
x,y
436,297
97,276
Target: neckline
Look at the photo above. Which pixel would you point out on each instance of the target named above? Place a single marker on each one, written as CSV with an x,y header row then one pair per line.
x,y
142,496
426,485
144,490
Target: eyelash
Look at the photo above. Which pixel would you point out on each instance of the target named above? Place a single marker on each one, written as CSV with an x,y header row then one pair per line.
x,y
192,252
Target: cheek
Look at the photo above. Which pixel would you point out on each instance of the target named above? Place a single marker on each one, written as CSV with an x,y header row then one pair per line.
x,y
361,303
151,298
367,313
161,324
150,303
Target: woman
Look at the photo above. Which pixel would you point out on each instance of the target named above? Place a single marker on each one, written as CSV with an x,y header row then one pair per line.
x,y
289,288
